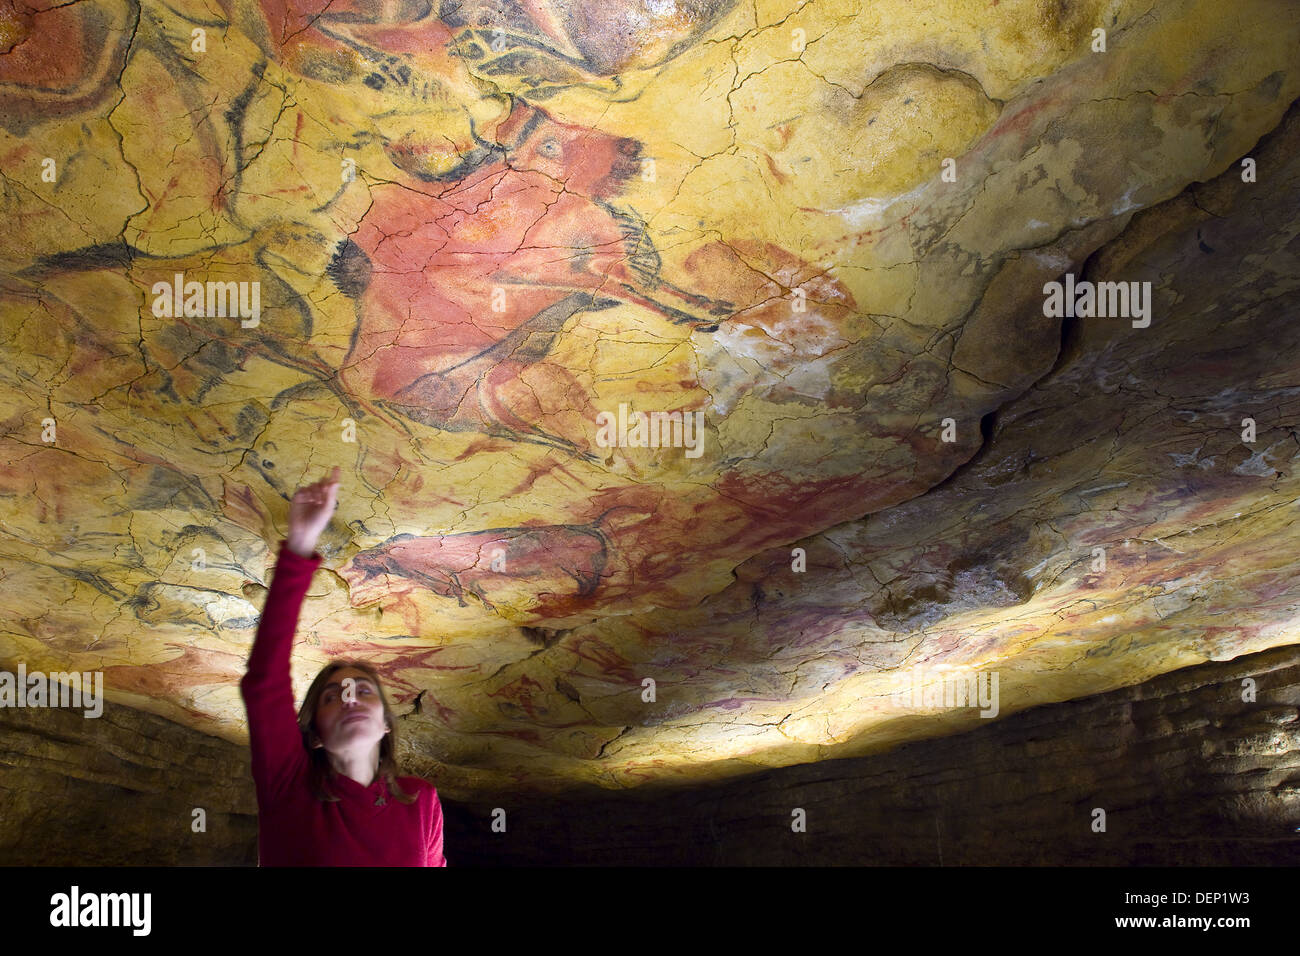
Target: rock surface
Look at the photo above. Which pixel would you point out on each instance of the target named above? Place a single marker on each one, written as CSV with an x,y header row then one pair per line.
x,y
1187,769
125,789
473,237
1186,772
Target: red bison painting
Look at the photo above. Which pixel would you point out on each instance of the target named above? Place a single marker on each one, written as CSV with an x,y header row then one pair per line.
x,y
463,282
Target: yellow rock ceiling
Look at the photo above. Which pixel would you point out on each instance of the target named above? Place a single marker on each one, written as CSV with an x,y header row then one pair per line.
x,y
469,236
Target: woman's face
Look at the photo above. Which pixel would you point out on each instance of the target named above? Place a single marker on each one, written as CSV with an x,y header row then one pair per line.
x,y
349,714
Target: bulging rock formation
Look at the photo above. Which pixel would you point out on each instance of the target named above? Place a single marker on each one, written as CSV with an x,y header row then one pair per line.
x,y
718,387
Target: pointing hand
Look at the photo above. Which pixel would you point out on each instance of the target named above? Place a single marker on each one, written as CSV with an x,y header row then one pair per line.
x,y
310,511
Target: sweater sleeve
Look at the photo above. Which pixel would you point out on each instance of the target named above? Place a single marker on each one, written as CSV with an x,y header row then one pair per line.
x,y
433,852
273,736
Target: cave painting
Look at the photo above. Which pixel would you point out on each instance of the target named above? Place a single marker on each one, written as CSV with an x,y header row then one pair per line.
x,y
59,59
547,44
479,230
556,562
462,286
469,261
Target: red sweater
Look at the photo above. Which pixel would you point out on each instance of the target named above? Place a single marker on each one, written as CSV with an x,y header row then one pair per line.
x,y
294,828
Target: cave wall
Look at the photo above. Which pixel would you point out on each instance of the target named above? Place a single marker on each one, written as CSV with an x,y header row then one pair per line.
x,y
121,790
1187,771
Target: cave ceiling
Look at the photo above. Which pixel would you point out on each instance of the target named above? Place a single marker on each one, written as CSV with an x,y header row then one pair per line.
x,y
476,245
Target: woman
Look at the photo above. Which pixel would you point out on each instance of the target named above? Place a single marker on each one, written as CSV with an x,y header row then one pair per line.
x,y
328,793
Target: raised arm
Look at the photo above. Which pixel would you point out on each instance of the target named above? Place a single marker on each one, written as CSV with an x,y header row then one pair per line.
x,y
274,739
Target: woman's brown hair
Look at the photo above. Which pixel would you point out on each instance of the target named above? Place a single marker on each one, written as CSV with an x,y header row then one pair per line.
x,y
320,769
